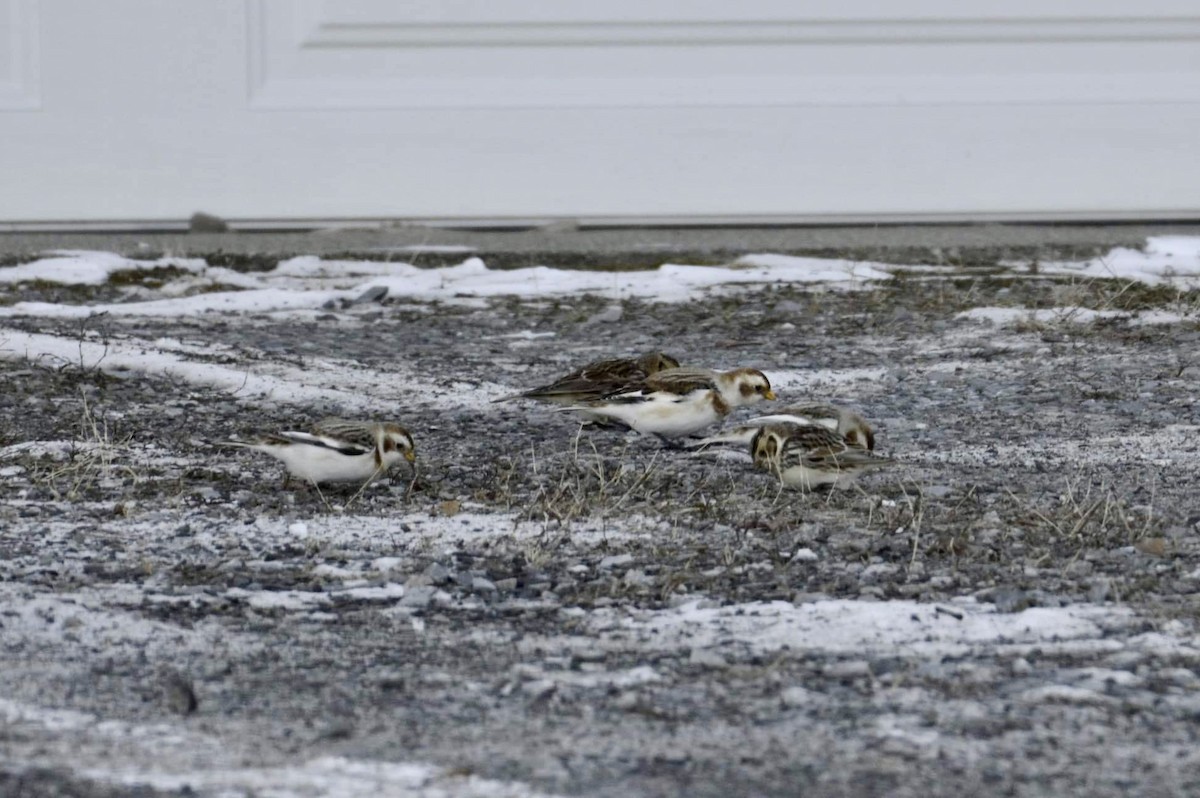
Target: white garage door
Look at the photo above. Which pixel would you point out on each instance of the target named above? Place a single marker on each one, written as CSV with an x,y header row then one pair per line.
x,y
140,110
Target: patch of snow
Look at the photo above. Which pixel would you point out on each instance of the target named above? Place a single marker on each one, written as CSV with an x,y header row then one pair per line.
x,y
307,283
361,389
851,627
1068,315
1165,260
819,270
327,777
822,380
83,267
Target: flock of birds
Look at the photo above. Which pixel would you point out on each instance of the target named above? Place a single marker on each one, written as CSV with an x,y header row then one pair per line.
x,y
807,446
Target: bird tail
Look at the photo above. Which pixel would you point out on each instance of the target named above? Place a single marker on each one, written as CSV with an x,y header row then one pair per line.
x,y
733,437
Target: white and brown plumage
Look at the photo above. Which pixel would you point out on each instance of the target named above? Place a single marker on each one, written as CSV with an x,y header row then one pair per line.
x,y
835,418
598,379
337,450
810,456
680,401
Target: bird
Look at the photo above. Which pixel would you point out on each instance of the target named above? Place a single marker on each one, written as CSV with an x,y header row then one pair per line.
x,y
810,456
597,379
680,401
337,450
838,419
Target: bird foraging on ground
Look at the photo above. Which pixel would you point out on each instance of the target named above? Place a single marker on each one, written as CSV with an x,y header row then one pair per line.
x,y
810,456
837,419
337,450
680,401
598,379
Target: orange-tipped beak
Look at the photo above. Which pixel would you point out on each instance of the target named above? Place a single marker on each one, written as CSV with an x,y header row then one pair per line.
x,y
410,456
769,394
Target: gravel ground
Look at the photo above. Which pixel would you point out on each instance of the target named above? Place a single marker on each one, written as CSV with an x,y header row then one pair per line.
x,y
545,610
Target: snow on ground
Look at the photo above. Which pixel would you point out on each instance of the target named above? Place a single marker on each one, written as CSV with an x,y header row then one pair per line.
x,y
1071,315
142,755
359,389
1165,260
378,564
82,267
861,628
306,283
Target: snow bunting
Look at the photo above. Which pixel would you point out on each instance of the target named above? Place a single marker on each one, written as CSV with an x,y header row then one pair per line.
x,y
810,456
337,450
598,379
832,417
680,401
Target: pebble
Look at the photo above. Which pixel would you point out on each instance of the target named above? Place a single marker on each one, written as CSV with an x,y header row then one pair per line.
x,y
417,595
615,560
375,293
849,670
707,658
796,696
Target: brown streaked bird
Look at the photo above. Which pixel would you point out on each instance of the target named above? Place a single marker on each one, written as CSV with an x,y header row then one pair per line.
x,y
810,456
680,401
598,379
838,419
337,450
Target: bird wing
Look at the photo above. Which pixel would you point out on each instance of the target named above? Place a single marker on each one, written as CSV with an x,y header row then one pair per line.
x,y
593,380
348,431
681,381
818,447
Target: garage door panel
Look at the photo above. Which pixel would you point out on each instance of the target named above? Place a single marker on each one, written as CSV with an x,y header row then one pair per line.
x,y
649,111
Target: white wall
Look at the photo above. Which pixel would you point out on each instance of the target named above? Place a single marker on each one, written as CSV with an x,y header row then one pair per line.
x,y
133,110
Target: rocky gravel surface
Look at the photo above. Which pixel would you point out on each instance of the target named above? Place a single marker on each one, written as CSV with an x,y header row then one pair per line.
x,y
543,609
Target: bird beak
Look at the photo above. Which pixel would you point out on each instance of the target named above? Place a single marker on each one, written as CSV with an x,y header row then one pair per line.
x,y
410,456
769,394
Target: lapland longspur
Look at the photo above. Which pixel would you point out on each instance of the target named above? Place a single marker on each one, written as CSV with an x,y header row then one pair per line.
x,y
598,379
810,456
337,450
680,401
835,418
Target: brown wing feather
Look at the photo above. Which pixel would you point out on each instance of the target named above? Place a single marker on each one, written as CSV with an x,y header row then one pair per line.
x,y
602,378
680,381
362,433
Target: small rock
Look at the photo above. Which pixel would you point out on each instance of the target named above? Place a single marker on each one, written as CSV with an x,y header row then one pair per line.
x,y
178,693
707,658
483,585
207,223
437,573
609,315
614,560
208,493
539,688
1020,667
1155,547
375,293
417,595
795,696
849,670
636,577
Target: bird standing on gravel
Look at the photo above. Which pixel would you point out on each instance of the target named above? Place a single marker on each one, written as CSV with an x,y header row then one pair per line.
x,y
337,450
680,401
835,418
810,456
